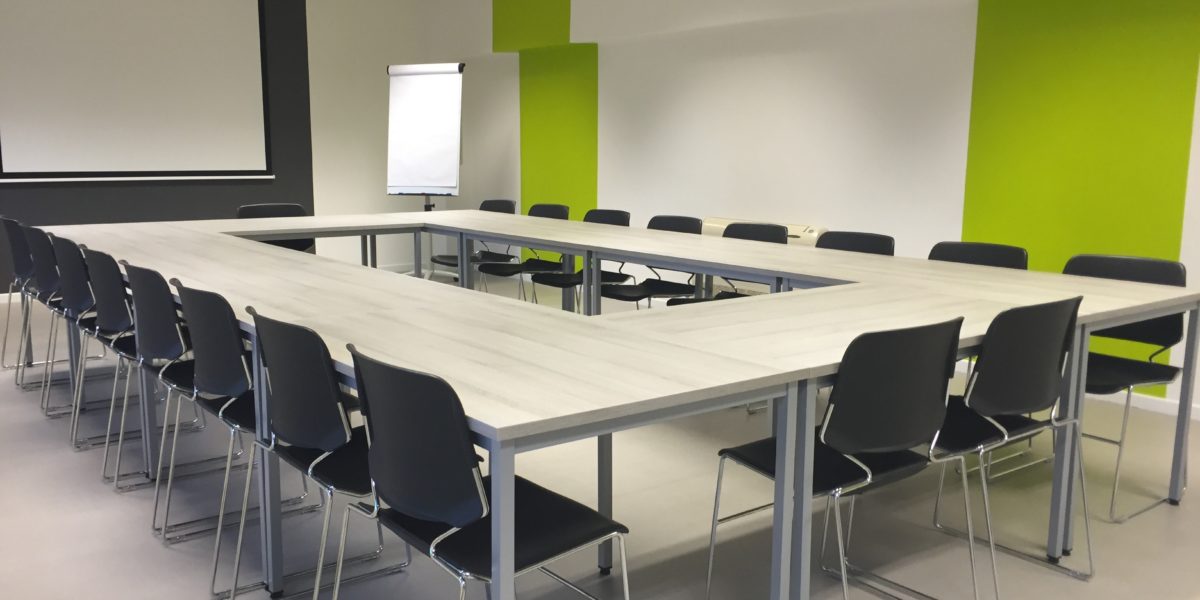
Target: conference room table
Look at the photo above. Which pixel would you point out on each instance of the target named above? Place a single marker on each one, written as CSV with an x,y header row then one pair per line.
x,y
530,377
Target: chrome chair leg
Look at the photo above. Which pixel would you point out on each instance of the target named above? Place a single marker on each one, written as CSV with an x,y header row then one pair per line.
x,y
533,286
7,322
712,536
77,396
116,479
112,409
624,566
171,466
328,494
23,353
51,348
237,555
162,448
837,518
233,436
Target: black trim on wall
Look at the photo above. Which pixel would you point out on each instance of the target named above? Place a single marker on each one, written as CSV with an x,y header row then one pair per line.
x,y
285,43
263,56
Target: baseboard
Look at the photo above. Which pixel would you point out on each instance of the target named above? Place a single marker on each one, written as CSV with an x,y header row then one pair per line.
x,y
1166,406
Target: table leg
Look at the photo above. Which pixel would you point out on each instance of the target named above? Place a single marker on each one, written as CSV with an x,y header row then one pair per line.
x,y
268,486
73,358
708,286
502,468
1064,447
1187,385
604,500
591,284
364,253
698,280
148,410
791,544
568,294
418,262
373,242
465,250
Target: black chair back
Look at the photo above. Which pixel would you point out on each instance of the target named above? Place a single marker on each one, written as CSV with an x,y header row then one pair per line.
x,y
113,315
73,278
156,321
278,209
758,232
1020,366
981,253
18,250
857,241
421,457
1162,332
891,387
305,402
45,266
217,346
550,211
499,206
607,216
676,223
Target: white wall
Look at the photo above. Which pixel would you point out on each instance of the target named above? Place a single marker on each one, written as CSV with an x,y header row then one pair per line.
x,y
853,119
350,45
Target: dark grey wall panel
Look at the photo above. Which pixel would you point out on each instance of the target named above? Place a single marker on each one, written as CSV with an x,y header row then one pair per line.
x,y
290,146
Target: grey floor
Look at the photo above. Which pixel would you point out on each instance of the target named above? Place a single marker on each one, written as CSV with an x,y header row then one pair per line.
x,y
66,535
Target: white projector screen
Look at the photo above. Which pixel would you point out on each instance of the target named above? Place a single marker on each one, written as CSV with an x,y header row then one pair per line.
x,y
131,88
424,129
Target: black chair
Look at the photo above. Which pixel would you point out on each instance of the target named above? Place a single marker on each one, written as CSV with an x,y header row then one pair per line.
x,y
21,264
429,491
756,232
856,241
45,290
278,209
981,253
309,425
889,397
529,265
1019,372
604,216
1108,374
657,287
113,328
162,346
78,310
485,255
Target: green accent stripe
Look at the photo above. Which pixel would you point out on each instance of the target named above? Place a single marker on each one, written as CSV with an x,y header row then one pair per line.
x,y
1081,124
521,24
558,126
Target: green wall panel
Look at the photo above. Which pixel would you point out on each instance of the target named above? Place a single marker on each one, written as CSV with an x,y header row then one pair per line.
x,y
1081,124
558,126
521,24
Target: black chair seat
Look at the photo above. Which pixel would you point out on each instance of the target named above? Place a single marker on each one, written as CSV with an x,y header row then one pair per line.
x,y
1108,374
719,296
88,324
531,265
345,470
626,293
663,287
965,430
546,524
126,345
832,470
483,256
566,280
180,375
239,414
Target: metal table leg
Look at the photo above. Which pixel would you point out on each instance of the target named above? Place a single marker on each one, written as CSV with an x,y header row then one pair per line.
x,y
591,284
465,250
1064,448
418,262
791,548
1187,387
148,409
502,468
604,489
364,253
568,294
373,245
270,521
